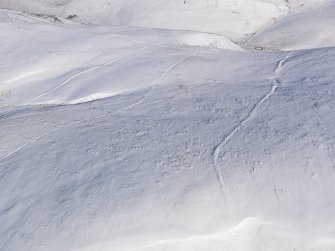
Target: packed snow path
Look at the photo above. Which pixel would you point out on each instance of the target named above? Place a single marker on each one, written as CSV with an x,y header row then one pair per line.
x,y
274,80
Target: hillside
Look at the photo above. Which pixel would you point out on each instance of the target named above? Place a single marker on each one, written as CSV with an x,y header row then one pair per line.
x,y
167,125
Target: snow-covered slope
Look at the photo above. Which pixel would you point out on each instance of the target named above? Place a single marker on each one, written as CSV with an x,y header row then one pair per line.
x,y
213,16
308,26
270,24
235,159
71,64
117,138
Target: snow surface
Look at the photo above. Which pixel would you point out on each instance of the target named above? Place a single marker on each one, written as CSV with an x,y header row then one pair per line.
x,y
311,26
229,17
156,130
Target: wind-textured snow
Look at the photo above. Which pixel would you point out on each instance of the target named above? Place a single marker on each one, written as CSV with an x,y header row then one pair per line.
x,y
167,125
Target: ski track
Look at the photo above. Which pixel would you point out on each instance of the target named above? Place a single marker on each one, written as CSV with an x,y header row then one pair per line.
x,y
157,80
275,83
46,134
86,71
26,108
18,17
282,62
27,144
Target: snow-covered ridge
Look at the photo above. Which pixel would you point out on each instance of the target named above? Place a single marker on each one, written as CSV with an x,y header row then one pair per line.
x,y
269,24
212,16
306,26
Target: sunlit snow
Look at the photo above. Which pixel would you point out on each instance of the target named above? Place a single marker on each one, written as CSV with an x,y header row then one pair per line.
x,y
167,125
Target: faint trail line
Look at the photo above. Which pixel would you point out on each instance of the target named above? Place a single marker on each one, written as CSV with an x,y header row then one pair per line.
x,y
15,16
28,143
173,66
280,64
157,80
5,114
22,109
48,133
88,70
275,83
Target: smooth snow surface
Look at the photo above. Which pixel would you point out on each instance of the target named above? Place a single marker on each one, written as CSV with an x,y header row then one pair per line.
x,y
228,17
307,26
163,129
